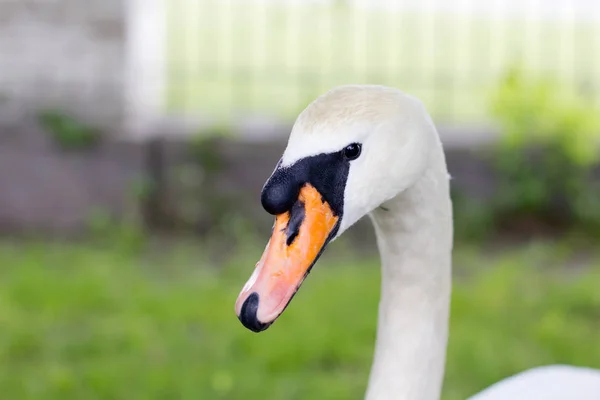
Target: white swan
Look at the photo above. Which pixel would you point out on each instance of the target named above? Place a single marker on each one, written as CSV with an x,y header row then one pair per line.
x,y
372,150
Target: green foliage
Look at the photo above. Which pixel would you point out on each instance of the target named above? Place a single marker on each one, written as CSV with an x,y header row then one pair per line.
x,y
127,236
87,322
67,131
473,218
549,145
204,146
142,188
540,112
205,204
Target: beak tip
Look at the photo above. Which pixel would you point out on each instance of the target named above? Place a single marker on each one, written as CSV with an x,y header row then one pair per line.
x,y
248,314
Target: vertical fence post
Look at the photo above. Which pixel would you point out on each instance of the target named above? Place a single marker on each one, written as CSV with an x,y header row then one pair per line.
x,y
146,58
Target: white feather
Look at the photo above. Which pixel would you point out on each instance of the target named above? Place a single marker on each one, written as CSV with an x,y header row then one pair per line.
x,y
553,382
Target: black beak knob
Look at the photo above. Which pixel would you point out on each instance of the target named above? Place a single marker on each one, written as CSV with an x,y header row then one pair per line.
x,y
280,192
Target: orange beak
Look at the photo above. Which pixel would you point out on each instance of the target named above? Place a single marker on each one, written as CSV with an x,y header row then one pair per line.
x,y
299,236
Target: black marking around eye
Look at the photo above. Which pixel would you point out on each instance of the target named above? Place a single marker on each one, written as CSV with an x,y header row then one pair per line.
x,y
328,174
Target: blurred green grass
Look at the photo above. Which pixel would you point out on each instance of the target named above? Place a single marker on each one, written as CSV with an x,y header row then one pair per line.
x,y
84,321
254,58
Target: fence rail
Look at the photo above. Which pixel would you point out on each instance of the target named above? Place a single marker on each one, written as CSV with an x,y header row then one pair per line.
x,y
232,58
133,61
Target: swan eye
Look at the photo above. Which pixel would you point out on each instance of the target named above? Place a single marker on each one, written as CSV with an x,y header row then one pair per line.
x,y
352,151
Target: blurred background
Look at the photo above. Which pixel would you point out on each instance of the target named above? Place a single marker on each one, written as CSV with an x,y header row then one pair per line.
x,y
136,135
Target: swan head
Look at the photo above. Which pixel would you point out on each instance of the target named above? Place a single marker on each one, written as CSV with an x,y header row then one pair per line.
x,y
350,151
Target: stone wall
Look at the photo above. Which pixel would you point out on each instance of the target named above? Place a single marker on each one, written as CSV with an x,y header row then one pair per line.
x,y
46,189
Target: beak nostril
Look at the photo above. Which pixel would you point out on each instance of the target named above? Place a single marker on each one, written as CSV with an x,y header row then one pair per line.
x,y
297,215
291,237
248,316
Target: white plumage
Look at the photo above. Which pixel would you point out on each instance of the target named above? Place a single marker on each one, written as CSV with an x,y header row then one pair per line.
x,y
403,168
553,382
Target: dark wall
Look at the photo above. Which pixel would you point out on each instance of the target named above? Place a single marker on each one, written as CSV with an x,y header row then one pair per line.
x,y
164,182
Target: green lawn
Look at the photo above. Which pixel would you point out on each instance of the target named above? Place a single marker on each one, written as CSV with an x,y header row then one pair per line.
x,y
231,58
91,322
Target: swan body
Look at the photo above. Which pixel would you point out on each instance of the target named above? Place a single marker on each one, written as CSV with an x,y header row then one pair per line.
x,y
552,382
363,150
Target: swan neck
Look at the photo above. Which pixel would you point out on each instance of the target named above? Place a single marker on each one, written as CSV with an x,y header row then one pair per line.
x,y
414,236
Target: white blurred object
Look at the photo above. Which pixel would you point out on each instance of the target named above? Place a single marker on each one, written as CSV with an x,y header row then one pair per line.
x,y
552,382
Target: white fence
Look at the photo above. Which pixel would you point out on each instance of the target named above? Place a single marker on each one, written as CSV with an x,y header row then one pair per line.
x,y
268,58
135,63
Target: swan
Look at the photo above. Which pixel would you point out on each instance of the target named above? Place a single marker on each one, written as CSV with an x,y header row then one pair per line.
x,y
372,150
